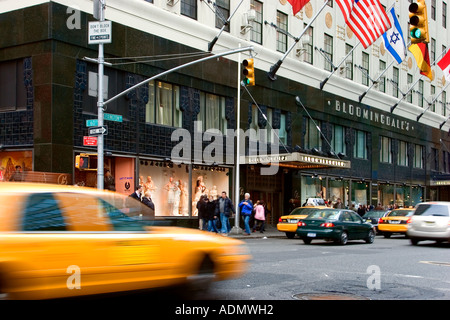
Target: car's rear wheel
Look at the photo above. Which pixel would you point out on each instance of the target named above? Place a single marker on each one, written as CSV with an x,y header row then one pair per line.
x,y
387,234
343,239
290,235
307,240
370,237
202,279
414,241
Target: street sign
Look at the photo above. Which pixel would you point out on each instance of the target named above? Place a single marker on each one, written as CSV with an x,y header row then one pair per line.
x,y
100,32
112,117
89,141
98,131
92,123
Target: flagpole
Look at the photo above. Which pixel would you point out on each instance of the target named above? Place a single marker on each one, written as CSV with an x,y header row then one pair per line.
x,y
442,124
431,103
273,70
375,81
322,84
410,88
226,23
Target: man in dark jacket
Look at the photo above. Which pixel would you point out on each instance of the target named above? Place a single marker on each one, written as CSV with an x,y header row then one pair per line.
x,y
224,208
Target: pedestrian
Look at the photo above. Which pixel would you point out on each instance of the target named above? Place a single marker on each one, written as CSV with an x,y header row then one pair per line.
x,y
149,213
17,175
246,207
361,210
224,210
138,193
202,215
339,204
260,216
109,181
211,215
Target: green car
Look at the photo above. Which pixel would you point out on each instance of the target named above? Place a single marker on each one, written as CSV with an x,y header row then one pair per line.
x,y
339,225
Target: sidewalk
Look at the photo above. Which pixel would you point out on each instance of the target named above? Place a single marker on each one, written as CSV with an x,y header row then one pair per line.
x,y
271,232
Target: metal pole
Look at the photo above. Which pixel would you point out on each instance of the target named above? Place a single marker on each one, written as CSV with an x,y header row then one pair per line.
x,y
236,228
322,84
405,94
273,69
431,103
100,140
177,68
375,81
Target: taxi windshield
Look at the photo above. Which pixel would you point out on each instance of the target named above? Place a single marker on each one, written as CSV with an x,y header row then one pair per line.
x,y
401,213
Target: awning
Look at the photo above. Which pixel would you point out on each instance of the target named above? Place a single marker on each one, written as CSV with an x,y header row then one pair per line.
x,y
296,160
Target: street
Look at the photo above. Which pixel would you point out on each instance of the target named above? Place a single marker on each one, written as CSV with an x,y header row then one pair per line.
x,y
388,269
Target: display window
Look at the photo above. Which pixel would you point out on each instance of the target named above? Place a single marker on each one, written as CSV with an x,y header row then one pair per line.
x,y
168,185
14,165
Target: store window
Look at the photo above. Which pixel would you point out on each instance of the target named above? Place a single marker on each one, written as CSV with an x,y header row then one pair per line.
x,y
282,30
212,113
168,185
163,105
308,46
14,165
385,150
365,69
189,8
282,133
338,139
266,132
418,156
360,146
312,134
256,30
402,159
223,8
328,52
13,94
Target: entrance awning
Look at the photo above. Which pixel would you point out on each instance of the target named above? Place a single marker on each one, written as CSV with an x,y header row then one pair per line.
x,y
296,160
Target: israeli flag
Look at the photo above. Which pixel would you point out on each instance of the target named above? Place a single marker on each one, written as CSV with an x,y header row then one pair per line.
x,y
393,39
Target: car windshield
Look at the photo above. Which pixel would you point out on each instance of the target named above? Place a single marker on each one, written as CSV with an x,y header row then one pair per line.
x,y
431,210
324,214
302,211
401,213
374,214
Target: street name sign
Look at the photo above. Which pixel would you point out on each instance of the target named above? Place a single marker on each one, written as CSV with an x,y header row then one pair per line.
x,y
112,117
100,32
98,131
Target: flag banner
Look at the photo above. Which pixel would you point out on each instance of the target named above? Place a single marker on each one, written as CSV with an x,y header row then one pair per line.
x,y
297,5
366,18
422,56
393,39
444,64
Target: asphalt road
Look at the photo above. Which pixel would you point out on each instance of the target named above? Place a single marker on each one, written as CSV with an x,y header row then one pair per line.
x,y
388,269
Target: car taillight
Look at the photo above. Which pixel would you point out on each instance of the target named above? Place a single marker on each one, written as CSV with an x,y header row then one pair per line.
x,y
380,221
280,220
327,225
409,220
301,224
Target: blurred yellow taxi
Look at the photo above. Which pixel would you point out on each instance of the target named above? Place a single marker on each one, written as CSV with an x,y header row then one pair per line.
x,y
395,222
288,223
59,241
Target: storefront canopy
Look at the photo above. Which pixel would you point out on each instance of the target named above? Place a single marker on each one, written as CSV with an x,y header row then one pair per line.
x,y
296,160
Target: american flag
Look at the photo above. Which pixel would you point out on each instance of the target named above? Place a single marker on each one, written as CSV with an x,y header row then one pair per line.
x,y
367,19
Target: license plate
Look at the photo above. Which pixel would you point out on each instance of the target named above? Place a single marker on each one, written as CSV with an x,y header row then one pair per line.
x,y
369,220
311,234
293,220
394,221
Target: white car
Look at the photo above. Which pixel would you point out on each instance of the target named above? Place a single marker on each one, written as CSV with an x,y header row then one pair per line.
x,y
430,221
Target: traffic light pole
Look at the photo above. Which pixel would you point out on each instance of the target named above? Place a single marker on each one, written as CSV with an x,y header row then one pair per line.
x,y
100,105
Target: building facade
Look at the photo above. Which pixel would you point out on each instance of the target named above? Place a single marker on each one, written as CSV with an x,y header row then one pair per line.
x,y
48,95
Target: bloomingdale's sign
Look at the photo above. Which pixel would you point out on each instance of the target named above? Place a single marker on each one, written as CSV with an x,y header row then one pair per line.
x,y
365,113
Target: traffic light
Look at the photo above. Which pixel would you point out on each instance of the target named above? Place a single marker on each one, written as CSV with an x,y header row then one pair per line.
x,y
418,21
86,161
249,72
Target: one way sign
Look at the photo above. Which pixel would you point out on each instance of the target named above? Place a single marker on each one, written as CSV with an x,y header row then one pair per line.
x,y
98,131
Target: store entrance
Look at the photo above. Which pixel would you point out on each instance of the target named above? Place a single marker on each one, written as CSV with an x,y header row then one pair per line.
x,y
273,202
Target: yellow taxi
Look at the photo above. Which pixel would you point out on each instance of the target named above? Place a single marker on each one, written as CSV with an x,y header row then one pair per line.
x,y
288,223
395,222
60,241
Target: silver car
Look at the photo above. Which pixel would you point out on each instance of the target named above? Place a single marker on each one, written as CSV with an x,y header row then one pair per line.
x,y
430,221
